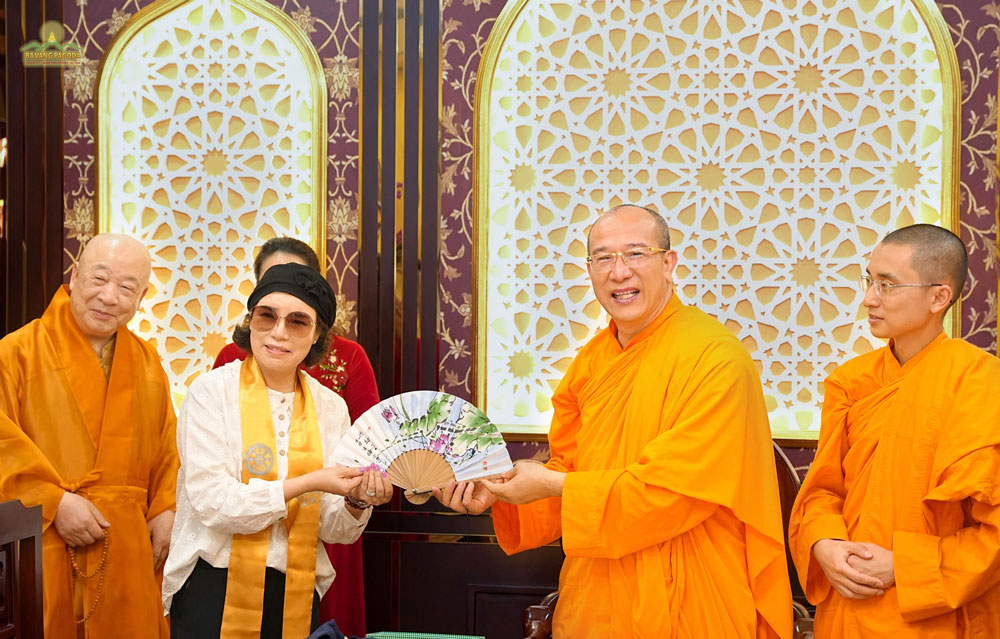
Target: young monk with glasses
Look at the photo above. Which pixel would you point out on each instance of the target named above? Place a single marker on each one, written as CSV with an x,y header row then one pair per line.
x,y
896,530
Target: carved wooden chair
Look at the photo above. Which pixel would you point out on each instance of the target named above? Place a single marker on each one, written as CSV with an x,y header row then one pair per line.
x,y
788,488
20,571
538,619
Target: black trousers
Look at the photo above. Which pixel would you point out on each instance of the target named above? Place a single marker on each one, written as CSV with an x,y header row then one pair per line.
x,y
196,610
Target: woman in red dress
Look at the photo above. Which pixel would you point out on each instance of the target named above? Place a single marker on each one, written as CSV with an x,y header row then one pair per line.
x,y
346,371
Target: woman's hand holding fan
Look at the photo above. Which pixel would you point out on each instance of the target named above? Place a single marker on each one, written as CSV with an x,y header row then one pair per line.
x,y
335,480
375,488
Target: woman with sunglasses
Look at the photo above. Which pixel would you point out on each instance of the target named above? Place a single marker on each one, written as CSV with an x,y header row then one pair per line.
x,y
345,370
256,491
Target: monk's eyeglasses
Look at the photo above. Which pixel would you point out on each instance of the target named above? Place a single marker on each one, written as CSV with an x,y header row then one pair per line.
x,y
297,323
881,286
605,262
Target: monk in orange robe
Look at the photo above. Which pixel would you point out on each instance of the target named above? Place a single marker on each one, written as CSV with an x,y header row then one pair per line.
x,y
87,432
661,481
896,530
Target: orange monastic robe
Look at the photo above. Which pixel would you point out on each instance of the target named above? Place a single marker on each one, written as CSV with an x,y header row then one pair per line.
x,y
909,459
669,517
112,441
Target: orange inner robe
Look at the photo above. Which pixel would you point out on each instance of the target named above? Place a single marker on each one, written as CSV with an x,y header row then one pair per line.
x,y
111,441
909,459
669,518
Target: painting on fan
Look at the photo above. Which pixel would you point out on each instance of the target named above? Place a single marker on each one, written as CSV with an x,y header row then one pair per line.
x,y
422,439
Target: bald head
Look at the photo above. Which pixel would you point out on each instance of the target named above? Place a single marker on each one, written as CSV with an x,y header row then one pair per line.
x,y
115,246
660,229
938,255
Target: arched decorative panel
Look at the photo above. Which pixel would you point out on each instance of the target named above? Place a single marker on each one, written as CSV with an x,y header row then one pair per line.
x,y
211,139
780,140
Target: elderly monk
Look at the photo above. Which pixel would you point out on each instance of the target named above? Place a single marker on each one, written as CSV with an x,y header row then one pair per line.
x,y
661,481
896,530
90,438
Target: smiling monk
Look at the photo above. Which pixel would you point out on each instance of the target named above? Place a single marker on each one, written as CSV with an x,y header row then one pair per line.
x,y
896,530
91,439
661,482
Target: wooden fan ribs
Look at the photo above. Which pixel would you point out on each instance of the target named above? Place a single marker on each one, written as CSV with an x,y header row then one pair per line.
x,y
417,471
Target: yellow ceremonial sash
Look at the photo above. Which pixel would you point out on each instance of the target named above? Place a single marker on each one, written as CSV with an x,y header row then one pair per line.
x,y
244,607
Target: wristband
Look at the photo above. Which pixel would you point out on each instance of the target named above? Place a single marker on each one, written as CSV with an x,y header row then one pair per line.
x,y
356,504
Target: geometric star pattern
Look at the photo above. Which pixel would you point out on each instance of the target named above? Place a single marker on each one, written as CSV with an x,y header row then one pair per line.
x,y
212,134
781,141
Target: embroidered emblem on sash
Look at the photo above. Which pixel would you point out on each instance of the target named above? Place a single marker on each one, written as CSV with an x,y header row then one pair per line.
x,y
258,460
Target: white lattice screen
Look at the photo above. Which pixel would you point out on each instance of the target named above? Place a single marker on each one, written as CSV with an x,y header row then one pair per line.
x,y
212,134
780,140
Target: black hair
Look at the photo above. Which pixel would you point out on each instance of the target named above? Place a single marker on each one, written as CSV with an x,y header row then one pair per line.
x,y
288,245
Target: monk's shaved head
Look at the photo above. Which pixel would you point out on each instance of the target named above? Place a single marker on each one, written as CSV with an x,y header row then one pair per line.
x,y
660,228
114,245
938,255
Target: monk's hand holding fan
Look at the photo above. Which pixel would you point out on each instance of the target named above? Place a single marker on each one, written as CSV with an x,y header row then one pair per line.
x,y
529,481
423,440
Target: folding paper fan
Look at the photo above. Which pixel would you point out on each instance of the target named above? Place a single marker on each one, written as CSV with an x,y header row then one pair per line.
x,y
424,438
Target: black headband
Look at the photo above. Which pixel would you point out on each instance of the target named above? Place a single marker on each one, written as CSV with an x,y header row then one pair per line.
x,y
302,282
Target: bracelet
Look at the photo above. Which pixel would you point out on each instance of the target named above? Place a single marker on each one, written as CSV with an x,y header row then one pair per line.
x,y
356,504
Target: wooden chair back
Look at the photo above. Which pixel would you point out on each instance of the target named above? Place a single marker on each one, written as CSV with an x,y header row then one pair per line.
x,y
20,571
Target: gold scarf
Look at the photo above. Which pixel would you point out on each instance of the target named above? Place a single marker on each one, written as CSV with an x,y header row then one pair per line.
x,y
244,607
